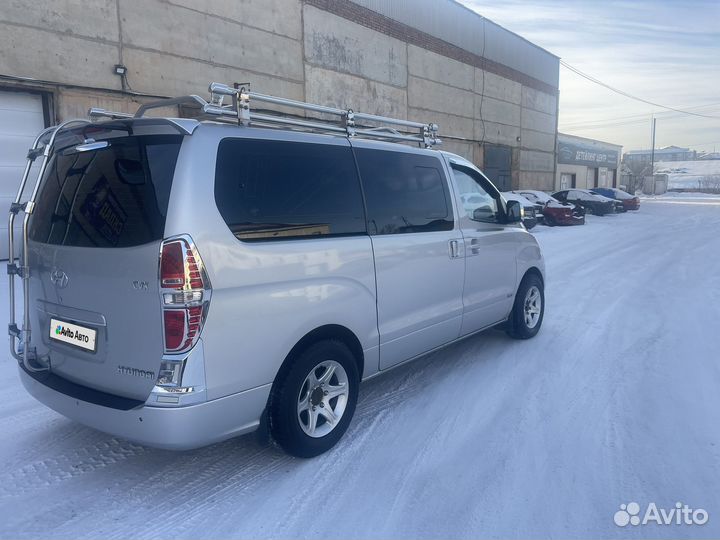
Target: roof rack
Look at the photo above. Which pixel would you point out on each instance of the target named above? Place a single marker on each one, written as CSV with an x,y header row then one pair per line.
x,y
346,122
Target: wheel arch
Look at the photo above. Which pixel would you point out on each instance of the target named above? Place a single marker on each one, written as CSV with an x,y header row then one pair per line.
x,y
328,331
534,270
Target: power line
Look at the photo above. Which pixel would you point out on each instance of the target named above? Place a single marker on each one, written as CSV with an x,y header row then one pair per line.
x,y
604,124
634,118
626,94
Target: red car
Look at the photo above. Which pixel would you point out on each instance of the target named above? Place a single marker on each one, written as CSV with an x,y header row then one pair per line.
x,y
555,212
628,201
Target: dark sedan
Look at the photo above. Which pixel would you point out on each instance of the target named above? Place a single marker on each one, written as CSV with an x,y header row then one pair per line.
x,y
629,202
591,202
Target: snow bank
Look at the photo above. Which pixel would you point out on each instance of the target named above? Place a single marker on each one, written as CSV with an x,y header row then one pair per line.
x,y
701,174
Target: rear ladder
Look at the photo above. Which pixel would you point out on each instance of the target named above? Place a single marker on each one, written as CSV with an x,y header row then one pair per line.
x,y
20,344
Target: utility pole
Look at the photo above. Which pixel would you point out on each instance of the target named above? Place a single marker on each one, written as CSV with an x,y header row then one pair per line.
x,y
652,154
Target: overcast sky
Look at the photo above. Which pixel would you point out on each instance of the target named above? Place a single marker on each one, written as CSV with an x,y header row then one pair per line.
x,y
667,52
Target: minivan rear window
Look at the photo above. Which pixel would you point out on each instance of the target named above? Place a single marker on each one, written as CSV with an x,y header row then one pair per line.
x,y
116,196
280,190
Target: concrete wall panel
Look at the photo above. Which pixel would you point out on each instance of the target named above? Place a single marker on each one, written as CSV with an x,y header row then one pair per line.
x,y
497,133
537,140
498,87
460,148
458,126
211,39
335,43
531,160
277,16
97,19
435,67
424,94
539,101
345,91
27,52
536,180
538,121
495,110
180,76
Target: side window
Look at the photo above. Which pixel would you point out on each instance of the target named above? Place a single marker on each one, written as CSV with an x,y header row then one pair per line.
x,y
405,192
478,204
561,195
268,190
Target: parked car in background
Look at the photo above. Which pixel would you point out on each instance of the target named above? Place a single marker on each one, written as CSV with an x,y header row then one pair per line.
x,y
629,202
536,202
555,212
532,216
591,202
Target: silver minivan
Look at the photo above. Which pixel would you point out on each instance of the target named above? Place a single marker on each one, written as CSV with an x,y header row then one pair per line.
x,y
189,280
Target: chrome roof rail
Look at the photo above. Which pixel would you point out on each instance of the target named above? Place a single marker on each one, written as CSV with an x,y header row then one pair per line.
x,y
241,96
346,121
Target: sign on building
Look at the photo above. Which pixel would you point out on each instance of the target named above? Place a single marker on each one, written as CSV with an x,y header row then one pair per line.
x,y
577,154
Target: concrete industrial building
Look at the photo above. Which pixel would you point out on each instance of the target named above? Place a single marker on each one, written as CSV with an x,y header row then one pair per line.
x,y
586,163
494,94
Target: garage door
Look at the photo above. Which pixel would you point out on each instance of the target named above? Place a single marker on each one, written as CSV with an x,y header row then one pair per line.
x,y
21,119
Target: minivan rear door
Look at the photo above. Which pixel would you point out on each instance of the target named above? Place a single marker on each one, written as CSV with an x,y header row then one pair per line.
x,y
95,240
418,261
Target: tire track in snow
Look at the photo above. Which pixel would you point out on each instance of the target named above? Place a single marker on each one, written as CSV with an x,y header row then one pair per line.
x,y
70,464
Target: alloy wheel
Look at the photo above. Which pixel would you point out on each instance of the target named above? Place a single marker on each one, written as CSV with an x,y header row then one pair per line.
x,y
323,398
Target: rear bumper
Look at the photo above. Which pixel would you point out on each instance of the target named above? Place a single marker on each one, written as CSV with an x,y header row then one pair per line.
x,y
181,428
571,220
560,218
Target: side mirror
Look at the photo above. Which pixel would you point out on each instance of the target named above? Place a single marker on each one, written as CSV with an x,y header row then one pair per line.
x,y
484,213
514,212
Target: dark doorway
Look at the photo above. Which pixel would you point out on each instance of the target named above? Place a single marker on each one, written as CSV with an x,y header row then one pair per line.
x,y
498,166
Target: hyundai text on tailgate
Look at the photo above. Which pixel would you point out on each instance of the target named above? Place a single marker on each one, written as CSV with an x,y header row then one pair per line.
x,y
185,281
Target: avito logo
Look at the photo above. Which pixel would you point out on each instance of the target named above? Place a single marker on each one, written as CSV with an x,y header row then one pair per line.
x,y
682,514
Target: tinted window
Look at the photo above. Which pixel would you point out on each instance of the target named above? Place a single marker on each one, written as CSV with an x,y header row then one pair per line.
x,y
279,190
116,196
405,192
478,203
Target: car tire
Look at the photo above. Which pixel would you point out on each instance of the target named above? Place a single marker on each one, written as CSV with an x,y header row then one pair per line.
x,y
589,210
549,221
300,409
523,322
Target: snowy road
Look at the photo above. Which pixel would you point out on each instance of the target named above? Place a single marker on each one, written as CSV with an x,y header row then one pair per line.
x,y
616,400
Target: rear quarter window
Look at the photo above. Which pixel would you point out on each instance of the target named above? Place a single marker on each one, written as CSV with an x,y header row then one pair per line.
x,y
279,190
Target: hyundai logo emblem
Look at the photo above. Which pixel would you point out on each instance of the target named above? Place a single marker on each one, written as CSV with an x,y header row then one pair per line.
x,y
59,278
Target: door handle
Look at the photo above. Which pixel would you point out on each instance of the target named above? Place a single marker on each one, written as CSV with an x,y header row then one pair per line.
x,y
454,249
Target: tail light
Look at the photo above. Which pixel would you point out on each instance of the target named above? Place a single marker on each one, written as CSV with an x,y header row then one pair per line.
x,y
185,290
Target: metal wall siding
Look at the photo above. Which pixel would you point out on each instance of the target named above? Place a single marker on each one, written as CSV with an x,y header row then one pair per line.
x,y
456,24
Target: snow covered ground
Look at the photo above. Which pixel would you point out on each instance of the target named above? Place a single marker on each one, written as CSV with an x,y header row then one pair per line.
x,y
698,174
617,400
